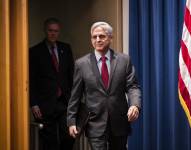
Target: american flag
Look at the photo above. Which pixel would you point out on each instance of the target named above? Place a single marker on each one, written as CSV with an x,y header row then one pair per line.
x,y
184,76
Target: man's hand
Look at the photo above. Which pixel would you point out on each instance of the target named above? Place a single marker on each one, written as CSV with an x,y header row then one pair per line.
x,y
73,131
36,112
133,113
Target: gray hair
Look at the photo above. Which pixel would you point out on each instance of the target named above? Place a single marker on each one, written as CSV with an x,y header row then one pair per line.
x,y
51,20
104,25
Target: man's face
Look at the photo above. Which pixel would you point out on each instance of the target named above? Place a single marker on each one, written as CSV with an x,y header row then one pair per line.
x,y
52,32
100,39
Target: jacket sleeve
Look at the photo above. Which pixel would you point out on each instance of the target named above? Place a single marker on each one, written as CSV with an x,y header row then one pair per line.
x,y
77,92
132,86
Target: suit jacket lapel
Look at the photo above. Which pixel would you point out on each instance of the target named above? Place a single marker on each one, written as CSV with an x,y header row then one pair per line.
x,y
59,50
113,65
95,69
46,54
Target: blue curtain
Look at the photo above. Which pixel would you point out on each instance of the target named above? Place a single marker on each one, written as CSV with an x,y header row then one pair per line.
x,y
155,33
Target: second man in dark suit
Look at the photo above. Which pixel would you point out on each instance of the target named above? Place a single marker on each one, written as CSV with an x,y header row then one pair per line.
x,y
51,72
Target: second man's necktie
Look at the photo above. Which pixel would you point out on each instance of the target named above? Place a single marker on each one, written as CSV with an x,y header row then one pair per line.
x,y
56,65
54,59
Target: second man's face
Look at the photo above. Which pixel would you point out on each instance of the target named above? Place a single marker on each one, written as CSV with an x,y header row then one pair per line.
x,y
100,40
52,32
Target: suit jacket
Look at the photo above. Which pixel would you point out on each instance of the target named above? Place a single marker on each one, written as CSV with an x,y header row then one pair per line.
x,y
45,80
104,103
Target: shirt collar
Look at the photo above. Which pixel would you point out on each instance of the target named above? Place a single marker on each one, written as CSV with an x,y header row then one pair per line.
x,y
50,46
98,55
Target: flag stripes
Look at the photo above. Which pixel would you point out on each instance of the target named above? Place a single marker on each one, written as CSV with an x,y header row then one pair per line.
x,y
184,94
184,76
186,57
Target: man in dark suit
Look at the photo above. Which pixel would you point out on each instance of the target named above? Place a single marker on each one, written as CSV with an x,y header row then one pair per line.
x,y
104,77
51,76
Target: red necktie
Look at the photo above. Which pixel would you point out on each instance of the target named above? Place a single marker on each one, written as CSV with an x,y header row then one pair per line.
x,y
56,65
54,59
104,72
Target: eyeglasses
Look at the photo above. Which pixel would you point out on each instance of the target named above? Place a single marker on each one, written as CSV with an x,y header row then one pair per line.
x,y
100,37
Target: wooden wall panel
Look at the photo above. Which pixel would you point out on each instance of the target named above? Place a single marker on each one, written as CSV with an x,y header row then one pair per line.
x,y
13,75
19,74
5,140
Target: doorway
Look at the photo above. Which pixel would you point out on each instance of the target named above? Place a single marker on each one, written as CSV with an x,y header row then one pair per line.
x,y
77,18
